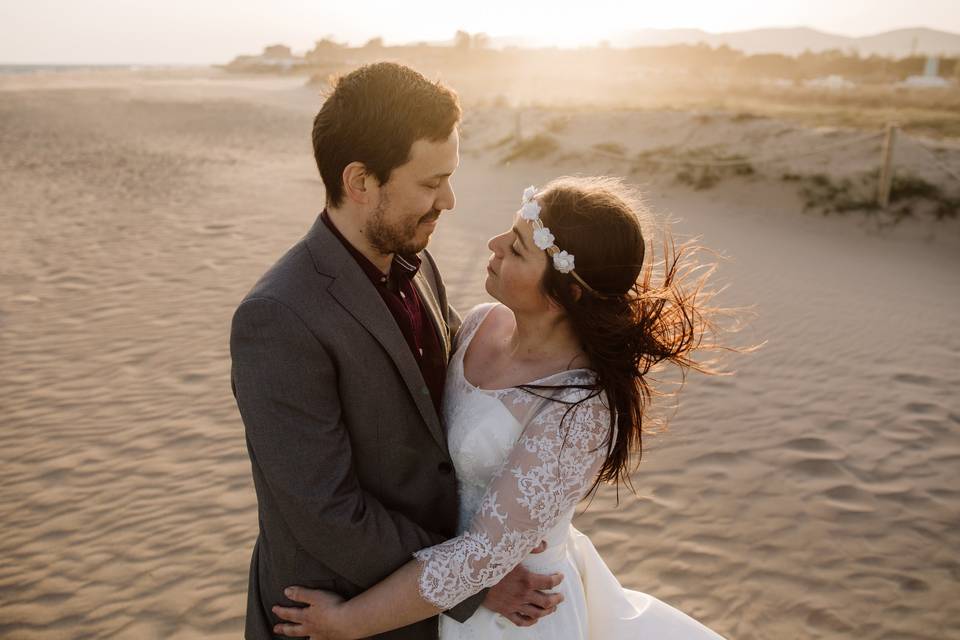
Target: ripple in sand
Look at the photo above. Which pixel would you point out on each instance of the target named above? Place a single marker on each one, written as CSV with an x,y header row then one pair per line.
x,y
819,468
848,493
816,445
903,581
828,621
913,378
921,407
850,498
719,459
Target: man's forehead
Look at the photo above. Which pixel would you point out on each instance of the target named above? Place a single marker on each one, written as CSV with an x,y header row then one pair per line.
x,y
430,157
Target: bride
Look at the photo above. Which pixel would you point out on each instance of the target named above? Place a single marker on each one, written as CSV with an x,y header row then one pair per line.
x,y
545,398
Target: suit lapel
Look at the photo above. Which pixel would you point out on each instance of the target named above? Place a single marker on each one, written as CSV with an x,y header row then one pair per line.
x,y
433,310
355,293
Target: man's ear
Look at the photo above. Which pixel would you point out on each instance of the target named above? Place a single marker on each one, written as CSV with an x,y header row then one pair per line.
x,y
356,182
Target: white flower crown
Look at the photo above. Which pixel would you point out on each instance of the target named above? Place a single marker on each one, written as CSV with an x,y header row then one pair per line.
x,y
530,210
562,261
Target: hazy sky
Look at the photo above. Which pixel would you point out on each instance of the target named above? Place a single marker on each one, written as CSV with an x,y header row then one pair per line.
x,y
210,31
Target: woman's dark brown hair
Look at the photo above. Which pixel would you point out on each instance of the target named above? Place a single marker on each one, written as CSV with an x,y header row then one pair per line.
x,y
373,115
645,309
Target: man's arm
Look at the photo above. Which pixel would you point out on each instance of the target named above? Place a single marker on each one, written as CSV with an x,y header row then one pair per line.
x,y
285,384
461,612
548,471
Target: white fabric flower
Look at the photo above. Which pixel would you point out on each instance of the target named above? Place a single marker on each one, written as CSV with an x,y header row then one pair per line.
x,y
543,238
529,193
530,210
563,261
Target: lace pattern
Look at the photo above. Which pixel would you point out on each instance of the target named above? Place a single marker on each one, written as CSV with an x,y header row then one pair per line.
x,y
523,462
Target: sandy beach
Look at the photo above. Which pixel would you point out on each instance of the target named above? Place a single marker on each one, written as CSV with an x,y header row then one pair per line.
x,y
811,495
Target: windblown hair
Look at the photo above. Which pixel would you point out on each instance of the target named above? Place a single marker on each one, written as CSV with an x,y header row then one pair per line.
x,y
646,309
373,115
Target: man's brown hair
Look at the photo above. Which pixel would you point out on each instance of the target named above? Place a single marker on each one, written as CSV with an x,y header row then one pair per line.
x,y
373,115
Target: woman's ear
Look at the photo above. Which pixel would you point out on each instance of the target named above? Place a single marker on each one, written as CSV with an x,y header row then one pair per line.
x,y
354,178
576,291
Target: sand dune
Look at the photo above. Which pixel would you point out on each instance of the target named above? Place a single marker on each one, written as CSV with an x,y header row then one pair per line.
x,y
812,495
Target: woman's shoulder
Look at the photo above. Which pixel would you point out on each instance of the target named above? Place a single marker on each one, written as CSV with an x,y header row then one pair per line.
x,y
579,386
478,312
577,390
475,317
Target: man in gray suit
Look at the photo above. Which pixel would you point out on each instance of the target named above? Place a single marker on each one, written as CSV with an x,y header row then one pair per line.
x,y
339,355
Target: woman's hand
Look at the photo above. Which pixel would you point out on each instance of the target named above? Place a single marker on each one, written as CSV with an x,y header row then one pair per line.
x,y
320,620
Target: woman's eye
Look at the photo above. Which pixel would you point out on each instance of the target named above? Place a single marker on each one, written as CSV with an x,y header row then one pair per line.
x,y
433,186
514,251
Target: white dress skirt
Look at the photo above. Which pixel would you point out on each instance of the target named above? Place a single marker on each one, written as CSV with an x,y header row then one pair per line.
x,y
595,606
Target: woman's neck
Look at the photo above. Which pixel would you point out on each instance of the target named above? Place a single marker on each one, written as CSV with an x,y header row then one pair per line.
x,y
544,336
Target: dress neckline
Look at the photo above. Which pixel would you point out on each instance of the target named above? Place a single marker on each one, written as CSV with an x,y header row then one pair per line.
x,y
461,353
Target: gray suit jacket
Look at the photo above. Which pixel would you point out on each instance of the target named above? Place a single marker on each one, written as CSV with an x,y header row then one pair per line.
x,y
349,456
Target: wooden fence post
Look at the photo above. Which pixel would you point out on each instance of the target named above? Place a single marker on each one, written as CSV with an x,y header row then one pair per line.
x,y
886,166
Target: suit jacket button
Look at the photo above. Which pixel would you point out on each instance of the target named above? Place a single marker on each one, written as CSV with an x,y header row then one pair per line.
x,y
445,467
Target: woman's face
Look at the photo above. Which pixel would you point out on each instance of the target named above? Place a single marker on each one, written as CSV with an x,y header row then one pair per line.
x,y
516,268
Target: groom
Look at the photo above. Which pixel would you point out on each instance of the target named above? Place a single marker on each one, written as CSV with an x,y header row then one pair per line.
x,y
339,356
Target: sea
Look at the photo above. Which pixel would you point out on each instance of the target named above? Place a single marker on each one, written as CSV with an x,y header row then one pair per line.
x,y
23,69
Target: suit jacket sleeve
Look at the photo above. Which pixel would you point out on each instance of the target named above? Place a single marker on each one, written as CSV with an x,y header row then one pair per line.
x,y
285,384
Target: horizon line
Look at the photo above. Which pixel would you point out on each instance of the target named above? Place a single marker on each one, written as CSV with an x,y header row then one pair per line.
x,y
413,43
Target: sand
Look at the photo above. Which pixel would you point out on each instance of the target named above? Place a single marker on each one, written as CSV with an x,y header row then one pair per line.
x,y
811,495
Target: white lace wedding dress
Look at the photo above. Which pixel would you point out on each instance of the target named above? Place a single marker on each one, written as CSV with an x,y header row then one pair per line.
x,y
521,475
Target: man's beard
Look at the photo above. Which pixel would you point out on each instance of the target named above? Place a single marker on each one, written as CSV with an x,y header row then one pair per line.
x,y
398,237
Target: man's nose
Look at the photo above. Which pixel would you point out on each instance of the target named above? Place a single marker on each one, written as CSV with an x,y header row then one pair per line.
x,y
446,199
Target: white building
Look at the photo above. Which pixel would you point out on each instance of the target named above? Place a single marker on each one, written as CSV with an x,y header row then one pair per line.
x,y
930,78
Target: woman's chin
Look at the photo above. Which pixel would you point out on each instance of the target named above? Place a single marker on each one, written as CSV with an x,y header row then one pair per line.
x,y
488,285
491,288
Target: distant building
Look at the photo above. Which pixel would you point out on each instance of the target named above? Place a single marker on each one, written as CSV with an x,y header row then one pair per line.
x,y
830,82
930,78
275,57
325,50
277,51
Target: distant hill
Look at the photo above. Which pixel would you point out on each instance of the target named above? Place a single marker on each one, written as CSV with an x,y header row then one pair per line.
x,y
899,42
792,41
787,40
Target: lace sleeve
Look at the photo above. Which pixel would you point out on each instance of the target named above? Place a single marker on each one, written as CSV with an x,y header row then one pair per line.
x,y
548,471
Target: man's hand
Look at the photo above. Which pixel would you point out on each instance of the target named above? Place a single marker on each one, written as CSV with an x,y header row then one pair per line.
x,y
317,621
519,596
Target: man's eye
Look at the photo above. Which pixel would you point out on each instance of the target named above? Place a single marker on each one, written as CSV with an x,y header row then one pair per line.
x,y
433,186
